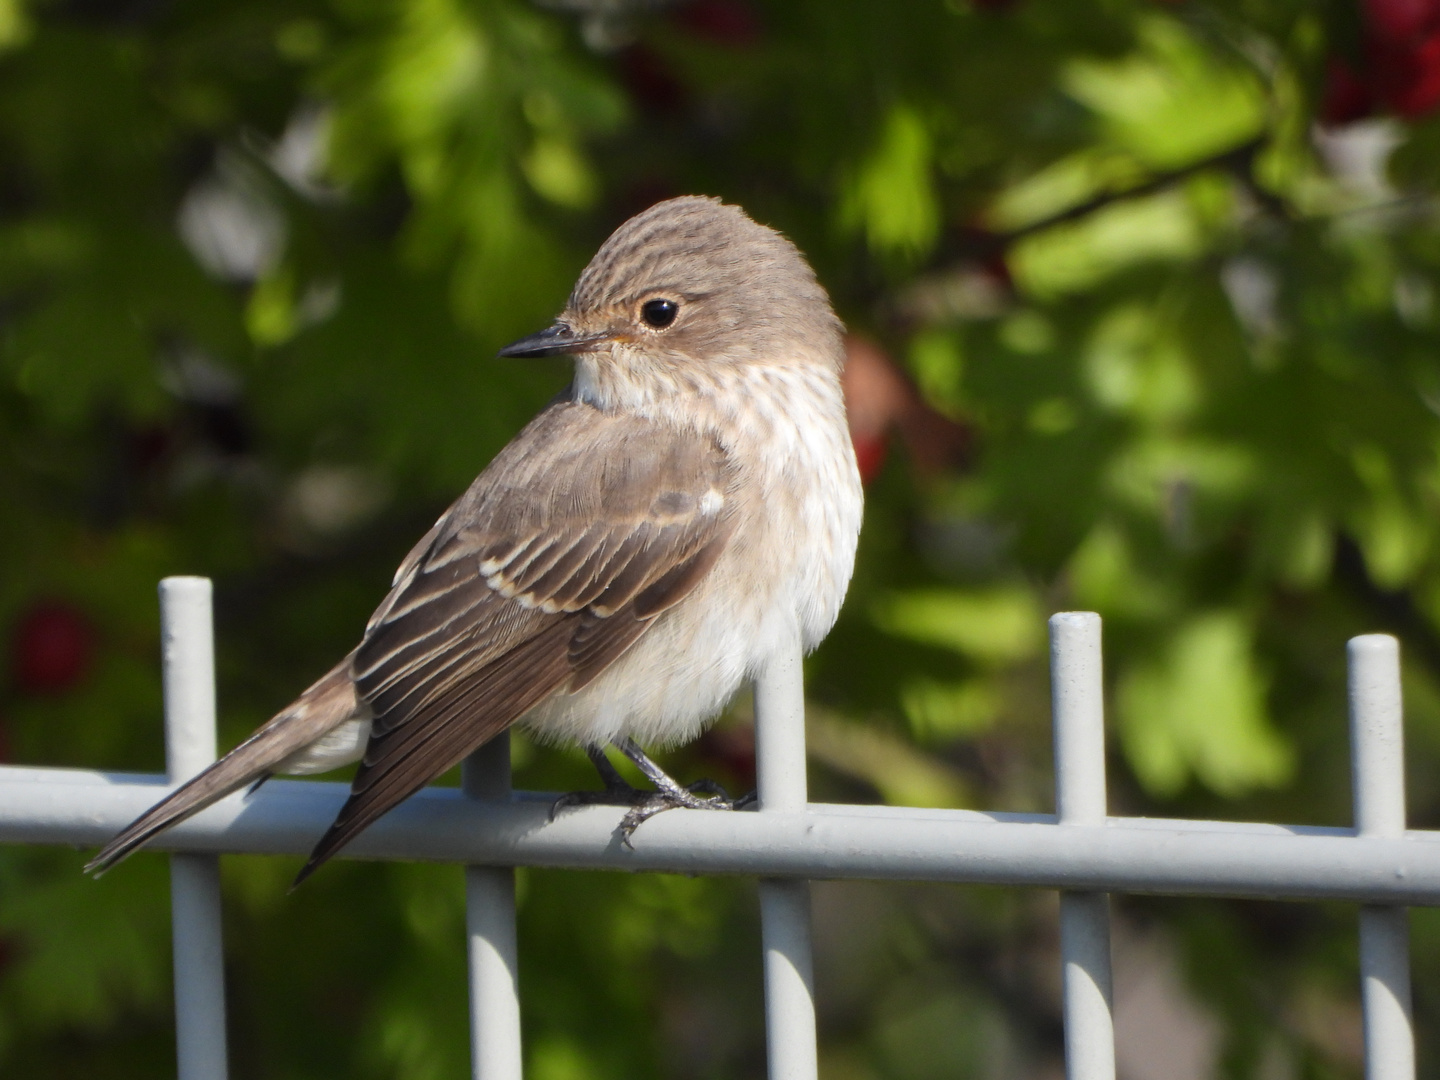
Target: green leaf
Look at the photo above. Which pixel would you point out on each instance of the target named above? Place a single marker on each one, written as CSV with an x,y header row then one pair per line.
x,y
1198,708
1106,576
1394,538
15,28
1071,257
901,774
557,170
891,198
1174,101
943,711
997,624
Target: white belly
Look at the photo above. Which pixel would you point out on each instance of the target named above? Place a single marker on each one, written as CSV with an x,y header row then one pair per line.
x,y
787,568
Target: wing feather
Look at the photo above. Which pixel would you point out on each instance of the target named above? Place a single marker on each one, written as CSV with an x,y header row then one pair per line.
x,y
550,568
585,581
327,704
556,584
413,755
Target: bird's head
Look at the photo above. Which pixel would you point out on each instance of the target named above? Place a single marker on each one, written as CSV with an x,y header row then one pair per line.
x,y
683,294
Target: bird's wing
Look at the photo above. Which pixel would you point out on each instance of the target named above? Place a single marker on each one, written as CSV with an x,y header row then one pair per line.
x,y
552,565
315,713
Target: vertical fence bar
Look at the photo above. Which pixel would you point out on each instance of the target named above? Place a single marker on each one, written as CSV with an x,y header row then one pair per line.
x,y
790,1044
1377,766
188,664
1078,704
495,1047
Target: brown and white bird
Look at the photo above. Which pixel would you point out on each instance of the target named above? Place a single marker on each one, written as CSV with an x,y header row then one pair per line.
x,y
648,542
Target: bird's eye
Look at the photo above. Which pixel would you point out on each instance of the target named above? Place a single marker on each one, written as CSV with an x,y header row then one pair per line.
x,y
659,313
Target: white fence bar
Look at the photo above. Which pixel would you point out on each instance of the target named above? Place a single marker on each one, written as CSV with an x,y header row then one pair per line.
x,y
1165,856
188,662
495,1046
785,905
1379,863
1377,761
1078,708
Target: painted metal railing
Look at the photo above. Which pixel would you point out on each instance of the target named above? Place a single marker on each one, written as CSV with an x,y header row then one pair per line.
x,y
491,829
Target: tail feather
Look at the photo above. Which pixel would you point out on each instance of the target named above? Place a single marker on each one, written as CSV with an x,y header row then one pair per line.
x,y
406,758
320,709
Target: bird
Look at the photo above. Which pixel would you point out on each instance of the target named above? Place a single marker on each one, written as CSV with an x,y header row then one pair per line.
x,y
666,525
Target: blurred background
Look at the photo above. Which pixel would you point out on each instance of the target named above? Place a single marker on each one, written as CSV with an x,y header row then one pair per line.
x,y
1142,296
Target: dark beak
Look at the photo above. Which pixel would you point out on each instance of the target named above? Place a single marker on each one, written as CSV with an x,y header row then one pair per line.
x,y
553,341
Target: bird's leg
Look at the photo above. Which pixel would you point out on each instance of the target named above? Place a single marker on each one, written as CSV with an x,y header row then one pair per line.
x,y
617,792
615,784
667,784
664,782
669,794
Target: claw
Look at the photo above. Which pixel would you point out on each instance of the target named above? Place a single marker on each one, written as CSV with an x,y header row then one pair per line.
x,y
660,801
615,793
626,796
708,787
572,798
669,795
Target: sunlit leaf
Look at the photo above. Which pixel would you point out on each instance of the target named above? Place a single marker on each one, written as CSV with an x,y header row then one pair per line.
x,y
891,199
1394,538
902,775
1105,576
1173,102
1069,257
1199,710
939,711
996,624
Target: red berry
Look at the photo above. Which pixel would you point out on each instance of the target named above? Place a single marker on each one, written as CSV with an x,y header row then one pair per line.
x,y
1407,76
53,648
1347,97
998,271
870,454
725,22
649,79
1401,20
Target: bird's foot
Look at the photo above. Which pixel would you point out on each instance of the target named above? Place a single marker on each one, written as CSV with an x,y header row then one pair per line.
x,y
669,794
616,792
710,787
620,796
657,802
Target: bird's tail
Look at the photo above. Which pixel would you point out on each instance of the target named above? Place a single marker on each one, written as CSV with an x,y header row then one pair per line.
x,y
319,710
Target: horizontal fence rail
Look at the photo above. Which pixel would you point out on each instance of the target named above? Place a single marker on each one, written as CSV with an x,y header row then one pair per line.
x,y
785,842
1138,855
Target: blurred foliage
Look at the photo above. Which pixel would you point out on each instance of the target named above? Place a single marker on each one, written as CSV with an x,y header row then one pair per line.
x,y
1164,262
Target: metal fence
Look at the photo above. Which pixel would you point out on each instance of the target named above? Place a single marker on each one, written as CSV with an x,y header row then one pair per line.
x,y
491,829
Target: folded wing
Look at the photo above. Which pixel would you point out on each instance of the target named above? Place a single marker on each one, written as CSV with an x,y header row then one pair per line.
x,y
554,563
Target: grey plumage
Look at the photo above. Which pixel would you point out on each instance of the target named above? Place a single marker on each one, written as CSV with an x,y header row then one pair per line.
x,y
625,562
